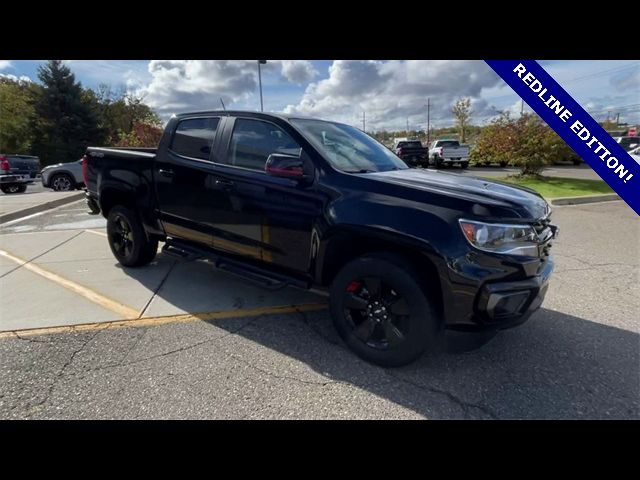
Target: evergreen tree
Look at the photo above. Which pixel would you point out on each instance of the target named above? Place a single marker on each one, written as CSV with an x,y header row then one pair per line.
x,y
65,121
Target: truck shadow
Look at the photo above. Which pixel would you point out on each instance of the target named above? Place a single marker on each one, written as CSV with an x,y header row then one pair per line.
x,y
556,366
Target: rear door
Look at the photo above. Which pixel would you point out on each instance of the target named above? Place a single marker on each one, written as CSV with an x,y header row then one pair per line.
x,y
185,181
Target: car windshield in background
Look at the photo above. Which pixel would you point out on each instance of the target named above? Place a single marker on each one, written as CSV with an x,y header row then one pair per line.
x,y
450,143
347,148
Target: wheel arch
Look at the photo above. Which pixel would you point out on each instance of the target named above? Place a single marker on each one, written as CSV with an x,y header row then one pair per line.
x,y
347,243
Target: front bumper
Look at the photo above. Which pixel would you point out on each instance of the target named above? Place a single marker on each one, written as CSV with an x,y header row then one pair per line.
x,y
507,304
506,298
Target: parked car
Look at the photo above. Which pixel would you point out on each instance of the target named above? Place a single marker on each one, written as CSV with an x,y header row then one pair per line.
x,y
63,177
412,152
628,143
18,171
280,200
448,152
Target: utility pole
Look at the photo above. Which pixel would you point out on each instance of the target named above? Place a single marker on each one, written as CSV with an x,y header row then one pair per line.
x,y
364,124
428,121
618,119
521,107
407,127
260,62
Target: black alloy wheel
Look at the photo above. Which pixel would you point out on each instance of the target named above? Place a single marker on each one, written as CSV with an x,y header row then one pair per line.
x,y
378,314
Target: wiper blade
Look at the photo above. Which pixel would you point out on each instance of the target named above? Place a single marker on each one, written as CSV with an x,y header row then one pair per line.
x,y
364,170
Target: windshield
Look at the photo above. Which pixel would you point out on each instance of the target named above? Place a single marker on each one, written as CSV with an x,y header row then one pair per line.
x,y
347,148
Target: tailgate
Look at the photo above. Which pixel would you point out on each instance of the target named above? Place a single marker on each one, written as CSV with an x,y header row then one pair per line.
x,y
24,165
456,152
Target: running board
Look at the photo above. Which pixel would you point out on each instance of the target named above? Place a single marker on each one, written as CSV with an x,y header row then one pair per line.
x,y
181,251
253,276
258,276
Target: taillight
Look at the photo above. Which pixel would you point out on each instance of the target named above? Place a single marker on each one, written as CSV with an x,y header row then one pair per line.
x,y
442,151
399,151
85,170
4,164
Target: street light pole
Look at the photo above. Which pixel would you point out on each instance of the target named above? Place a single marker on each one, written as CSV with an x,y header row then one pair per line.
x,y
260,62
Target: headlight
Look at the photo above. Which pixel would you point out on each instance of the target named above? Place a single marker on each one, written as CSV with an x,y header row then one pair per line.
x,y
501,238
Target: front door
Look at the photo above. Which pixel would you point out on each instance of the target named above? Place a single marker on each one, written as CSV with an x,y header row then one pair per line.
x,y
263,217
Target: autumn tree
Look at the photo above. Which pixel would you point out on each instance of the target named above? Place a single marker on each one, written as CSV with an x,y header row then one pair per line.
x,y
462,112
17,114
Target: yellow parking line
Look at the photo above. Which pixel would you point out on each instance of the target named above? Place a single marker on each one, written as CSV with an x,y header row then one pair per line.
x,y
102,234
155,321
105,302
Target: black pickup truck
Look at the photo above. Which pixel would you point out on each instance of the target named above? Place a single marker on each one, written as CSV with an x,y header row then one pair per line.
x,y
281,200
412,152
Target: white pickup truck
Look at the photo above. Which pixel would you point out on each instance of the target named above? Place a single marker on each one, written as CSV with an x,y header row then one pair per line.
x,y
448,152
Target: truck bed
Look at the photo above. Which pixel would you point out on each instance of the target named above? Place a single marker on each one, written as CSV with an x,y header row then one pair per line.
x,y
132,165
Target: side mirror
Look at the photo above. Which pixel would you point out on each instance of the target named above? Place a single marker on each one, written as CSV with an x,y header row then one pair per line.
x,y
286,166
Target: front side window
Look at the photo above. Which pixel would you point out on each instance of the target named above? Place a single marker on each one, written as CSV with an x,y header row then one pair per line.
x,y
253,141
347,148
194,137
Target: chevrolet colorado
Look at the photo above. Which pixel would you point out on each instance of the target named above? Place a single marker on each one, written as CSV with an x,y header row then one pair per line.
x,y
282,200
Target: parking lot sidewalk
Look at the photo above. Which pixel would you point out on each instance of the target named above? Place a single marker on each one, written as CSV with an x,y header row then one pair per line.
x,y
23,204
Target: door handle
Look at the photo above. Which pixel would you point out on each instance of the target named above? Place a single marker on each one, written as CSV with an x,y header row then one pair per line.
x,y
165,173
223,183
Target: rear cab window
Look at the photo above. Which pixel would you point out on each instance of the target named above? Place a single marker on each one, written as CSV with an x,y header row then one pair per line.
x,y
193,137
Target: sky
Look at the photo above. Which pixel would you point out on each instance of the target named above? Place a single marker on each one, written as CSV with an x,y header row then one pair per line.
x,y
390,93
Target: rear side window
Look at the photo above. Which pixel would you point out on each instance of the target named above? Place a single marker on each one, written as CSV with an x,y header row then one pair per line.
x,y
194,137
253,141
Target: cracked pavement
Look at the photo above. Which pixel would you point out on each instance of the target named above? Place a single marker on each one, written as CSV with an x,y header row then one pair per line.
x,y
579,357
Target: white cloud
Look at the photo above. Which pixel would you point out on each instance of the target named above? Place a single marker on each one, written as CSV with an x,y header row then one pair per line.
x,y
5,64
182,85
21,78
389,92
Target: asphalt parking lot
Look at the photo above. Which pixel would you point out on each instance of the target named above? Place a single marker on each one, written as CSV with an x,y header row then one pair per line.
x,y
203,344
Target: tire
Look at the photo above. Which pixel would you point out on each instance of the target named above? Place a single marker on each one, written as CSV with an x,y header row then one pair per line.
x,y
464,165
13,188
127,238
61,182
397,330
436,162
577,162
504,164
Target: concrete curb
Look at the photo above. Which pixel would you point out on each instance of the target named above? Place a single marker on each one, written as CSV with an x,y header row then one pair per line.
x,y
608,197
7,217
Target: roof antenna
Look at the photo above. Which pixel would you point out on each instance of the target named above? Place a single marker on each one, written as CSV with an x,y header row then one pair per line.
x,y
222,104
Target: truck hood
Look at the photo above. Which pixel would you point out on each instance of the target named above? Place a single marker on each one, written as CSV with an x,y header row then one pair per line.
x,y
524,202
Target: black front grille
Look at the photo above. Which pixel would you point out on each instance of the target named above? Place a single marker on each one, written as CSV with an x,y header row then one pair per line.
x,y
545,234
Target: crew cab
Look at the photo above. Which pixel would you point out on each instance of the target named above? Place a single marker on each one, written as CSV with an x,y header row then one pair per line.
x,y
412,152
18,171
281,200
448,152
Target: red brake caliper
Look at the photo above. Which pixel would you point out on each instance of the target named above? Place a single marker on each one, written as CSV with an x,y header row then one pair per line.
x,y
353,286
